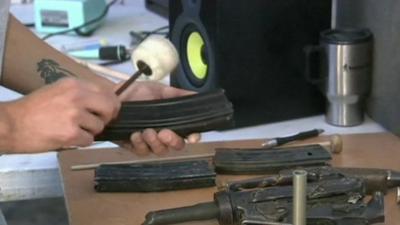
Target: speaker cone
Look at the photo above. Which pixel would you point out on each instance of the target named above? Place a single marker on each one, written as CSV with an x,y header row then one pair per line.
x,y
194,55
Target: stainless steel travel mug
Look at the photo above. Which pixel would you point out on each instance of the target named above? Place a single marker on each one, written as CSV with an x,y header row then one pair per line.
x,y
345,67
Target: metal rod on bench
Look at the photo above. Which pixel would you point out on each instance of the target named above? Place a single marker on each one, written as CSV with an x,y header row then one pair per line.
x,y
299,197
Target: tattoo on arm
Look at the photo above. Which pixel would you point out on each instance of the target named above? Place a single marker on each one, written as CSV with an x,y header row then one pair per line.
x,y
50,71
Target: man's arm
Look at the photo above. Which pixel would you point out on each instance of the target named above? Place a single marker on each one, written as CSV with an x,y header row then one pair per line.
x,y
69,112
30,63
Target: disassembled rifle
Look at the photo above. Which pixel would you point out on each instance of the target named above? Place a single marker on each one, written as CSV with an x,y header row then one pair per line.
x,y
332,199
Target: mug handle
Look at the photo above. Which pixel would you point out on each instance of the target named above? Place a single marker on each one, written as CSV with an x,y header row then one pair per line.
x,y
310,50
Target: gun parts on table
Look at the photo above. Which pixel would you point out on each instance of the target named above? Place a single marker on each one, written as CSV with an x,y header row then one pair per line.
x,y
154,177
164,176
333,199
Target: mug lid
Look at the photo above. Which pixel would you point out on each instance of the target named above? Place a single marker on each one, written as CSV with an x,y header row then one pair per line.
x,y
346,36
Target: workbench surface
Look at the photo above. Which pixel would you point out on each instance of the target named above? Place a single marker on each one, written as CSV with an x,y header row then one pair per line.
x,y
86,207
31,176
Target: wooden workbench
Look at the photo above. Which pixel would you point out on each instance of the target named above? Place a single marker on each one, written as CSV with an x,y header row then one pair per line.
x,y
86,207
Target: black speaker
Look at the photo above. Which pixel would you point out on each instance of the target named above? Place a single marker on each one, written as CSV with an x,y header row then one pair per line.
x,y
254,50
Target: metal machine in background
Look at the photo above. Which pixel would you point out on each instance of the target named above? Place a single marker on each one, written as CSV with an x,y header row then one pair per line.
x,y
57,15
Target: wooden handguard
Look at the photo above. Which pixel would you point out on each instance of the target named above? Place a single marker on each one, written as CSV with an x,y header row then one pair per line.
x,y
184,115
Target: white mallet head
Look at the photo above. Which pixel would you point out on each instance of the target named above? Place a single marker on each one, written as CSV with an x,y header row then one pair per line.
x,y
159,54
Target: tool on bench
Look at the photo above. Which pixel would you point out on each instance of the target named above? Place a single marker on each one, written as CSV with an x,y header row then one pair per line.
x,y
334,144
274,142
299,181
117,53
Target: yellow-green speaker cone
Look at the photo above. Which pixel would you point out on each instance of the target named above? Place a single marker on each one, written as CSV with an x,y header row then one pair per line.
x,y
195,44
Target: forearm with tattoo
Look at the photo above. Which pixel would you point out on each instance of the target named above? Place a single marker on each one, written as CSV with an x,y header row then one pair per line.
x,y
50,71
30,63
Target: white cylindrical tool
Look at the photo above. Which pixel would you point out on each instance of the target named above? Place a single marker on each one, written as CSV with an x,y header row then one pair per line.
x,y
159,54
